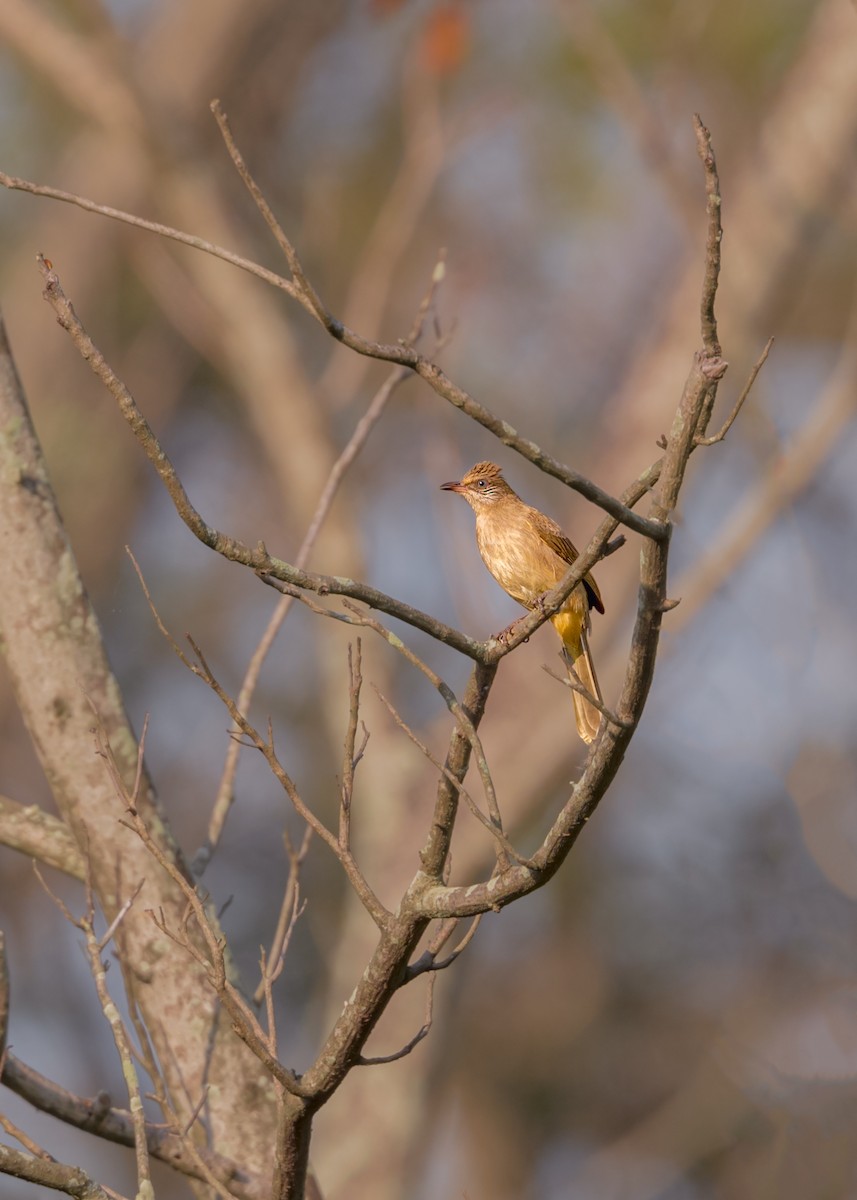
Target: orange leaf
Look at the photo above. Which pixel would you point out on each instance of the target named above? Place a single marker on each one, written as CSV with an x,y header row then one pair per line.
x,y
446,39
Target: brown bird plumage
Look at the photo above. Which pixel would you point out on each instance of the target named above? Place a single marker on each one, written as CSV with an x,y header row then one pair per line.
x,y
528,554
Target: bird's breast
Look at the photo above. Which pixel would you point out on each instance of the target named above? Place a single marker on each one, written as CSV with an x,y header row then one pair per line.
x,y
523,565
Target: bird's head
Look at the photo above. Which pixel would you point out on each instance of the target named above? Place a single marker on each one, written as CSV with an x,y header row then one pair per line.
x,y
482,486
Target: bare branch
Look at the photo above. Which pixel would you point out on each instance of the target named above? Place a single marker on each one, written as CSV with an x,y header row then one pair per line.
x,y
32,831
122,1043
120,1037
427,370
794,468
351,756
94,947
4,1000
450,699
243,1021
115,1125
739,403
428,961
289,913
50,1174
120,916
57,900
231,548
386,971
433,899
505,849
302,289
373,414
265,746
713,240
576,686
26,1141
166,231
460,948
421,1033
357,617
400,354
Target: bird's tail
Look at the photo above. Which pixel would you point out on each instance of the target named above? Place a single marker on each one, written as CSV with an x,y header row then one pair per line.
x,y
575,650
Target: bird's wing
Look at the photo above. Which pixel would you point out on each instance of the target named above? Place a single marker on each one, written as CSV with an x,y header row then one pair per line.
x,y
553,536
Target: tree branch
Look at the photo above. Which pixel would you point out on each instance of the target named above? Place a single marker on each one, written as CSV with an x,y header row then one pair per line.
x,y
32,831
400,354
166,231
429,897
51,1174
100,1118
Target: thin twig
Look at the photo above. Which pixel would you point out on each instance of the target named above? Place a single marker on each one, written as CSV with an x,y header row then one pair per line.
x,y
288,908
714,238
460,948
428,961
265,746
355,616
739,403
4,1000
794,468
214,964
303,289
505,849
166,231
422,1032
147,1054
123,1049
576,686
427,370
94,948
225,791
109,933
26,1141
450,699
351,756
358,439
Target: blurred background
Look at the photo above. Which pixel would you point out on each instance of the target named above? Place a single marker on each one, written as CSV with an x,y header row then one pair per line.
x,y
675,1016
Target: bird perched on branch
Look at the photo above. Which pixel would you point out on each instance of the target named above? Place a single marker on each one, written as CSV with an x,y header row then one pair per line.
x,y
528,554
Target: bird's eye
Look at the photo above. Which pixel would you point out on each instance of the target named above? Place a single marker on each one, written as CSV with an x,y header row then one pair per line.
x,y
480,483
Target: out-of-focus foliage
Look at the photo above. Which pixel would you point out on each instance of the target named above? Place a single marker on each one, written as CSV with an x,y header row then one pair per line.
x,y
674,1016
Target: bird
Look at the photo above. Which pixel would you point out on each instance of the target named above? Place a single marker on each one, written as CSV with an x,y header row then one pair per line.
x,y
528,554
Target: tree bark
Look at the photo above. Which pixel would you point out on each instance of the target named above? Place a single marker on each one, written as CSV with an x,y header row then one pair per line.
x,y
55,654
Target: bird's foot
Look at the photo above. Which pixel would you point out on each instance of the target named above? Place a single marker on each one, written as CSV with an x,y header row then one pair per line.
x,y
505,635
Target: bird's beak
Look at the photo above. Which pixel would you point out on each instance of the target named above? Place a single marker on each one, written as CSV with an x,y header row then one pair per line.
x,y
451,487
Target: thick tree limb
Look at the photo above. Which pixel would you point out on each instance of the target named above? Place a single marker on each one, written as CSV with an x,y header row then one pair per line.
x,y
32,831
56,659
51,1174
99,1117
